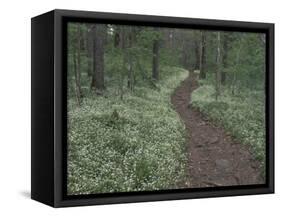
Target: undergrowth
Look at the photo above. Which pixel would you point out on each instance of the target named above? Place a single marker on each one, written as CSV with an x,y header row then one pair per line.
x,y
134,144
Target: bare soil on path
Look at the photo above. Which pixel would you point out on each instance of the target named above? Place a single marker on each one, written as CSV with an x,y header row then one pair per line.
x,y
214,158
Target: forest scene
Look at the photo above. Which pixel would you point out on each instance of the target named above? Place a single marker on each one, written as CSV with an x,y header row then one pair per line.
x,y
154,108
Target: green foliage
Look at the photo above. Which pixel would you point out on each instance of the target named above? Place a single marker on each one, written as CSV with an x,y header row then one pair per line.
x,y
147,36
131,145
129,138
243,116
245,59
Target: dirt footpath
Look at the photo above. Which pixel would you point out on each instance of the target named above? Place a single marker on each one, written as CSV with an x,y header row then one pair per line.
x,y
214,158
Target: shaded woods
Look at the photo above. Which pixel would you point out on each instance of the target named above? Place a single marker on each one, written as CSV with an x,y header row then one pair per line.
x,y
123,132
236,60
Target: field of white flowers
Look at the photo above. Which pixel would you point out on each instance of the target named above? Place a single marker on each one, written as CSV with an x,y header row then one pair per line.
x,y
134,144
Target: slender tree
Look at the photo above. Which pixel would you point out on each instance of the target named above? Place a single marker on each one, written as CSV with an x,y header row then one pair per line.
x,y
185,41
122,45
155,59
170,38
203,56
130,72
218,71
90,50
77,65
224,58
99,32
185,54
196,50
237,62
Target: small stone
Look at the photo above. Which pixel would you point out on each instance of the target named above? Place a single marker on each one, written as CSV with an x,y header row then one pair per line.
x,y
222,164
214,140
202,123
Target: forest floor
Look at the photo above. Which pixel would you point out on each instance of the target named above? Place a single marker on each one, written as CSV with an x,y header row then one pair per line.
x,y
214,157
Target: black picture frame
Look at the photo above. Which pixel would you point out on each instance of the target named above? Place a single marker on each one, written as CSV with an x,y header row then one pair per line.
x,y
48,74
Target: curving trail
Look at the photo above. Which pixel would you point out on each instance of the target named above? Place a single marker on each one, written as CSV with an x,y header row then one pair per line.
x,y
214,158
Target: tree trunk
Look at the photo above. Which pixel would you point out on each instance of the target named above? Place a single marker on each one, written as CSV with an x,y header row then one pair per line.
x,y
122,45
130,78
185,55
117,38
197,55
90,50
237,61
98,47
224,59
170,38
155,60
218,71
84,39
203,56
77,65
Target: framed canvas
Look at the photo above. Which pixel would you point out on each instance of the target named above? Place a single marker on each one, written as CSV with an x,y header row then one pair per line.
x,y
133,108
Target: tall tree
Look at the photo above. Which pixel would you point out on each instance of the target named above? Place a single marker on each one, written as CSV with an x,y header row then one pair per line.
x,y
203,56
218,70
168,37
90,50
77,65
117,37
236,65
130,73
99,32
185,54
224,58
185,42
155,58
122,45
196,50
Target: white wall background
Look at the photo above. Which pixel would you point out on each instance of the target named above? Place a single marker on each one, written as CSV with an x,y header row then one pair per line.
x,y
15,106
